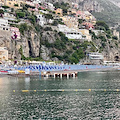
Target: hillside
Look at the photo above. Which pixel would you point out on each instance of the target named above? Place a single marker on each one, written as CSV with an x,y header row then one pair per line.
x,y
41,39
110,14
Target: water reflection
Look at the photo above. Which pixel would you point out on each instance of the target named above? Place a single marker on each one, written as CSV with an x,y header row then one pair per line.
x,y
72,105
27,83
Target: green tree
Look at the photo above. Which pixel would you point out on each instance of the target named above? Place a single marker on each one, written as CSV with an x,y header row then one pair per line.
x,y
1,11
114,37
103,24
23,27
20,14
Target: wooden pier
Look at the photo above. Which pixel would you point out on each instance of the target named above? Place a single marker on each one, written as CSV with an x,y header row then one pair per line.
x,y
59,74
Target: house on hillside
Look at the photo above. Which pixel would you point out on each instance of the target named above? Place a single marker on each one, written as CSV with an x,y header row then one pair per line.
x,y
88,25
71,33
41,19
70,21
4,25
86,33
59,12
16,4
9,16
1,2
96,58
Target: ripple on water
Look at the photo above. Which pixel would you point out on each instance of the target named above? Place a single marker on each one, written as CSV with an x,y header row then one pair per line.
x,y
82,106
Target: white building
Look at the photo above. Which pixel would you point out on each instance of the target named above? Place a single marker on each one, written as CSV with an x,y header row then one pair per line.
x,y
41,19
96,57
4,25
98,32
71,33
9,16
50,6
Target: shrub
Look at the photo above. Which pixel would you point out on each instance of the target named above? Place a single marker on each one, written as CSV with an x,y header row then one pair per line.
x,y
48,29
20,14
23,27
114,37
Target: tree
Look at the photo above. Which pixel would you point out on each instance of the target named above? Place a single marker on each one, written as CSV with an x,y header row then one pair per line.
x,y
1,11
22,28
5,7
103,24
48,16
20,14
114,37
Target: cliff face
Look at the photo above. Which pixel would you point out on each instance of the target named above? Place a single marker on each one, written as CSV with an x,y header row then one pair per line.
x,y
50,45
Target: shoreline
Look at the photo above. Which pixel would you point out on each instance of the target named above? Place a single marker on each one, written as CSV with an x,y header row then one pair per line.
x,y
58,72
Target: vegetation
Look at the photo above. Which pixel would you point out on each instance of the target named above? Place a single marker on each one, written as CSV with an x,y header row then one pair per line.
x,y
20,15
114,37
102,25
1,11
23,27
63,6
5,7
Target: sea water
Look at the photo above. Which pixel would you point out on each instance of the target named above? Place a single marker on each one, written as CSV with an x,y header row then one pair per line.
x,y
90,96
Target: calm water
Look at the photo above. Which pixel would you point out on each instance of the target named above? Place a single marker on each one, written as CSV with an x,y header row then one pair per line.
x,y
61,102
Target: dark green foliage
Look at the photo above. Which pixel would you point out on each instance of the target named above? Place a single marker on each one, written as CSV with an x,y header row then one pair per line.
x,y
57,21
103,44
12,9
80,21
108,36
16,5
23,27
63,6
48,29
102,24
114,37
63,37
93,35
48,16
58,44
1,11
103,38
20,14
32,19
5,7
77,55
28,6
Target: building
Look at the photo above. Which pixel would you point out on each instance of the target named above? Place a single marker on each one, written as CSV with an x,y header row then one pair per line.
x,y
59,11
1,2
96,58
16,4
9,16
71,33
4,25
15,33
85,32
116,33
70,21
88,25
41,19
48,5
3,54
